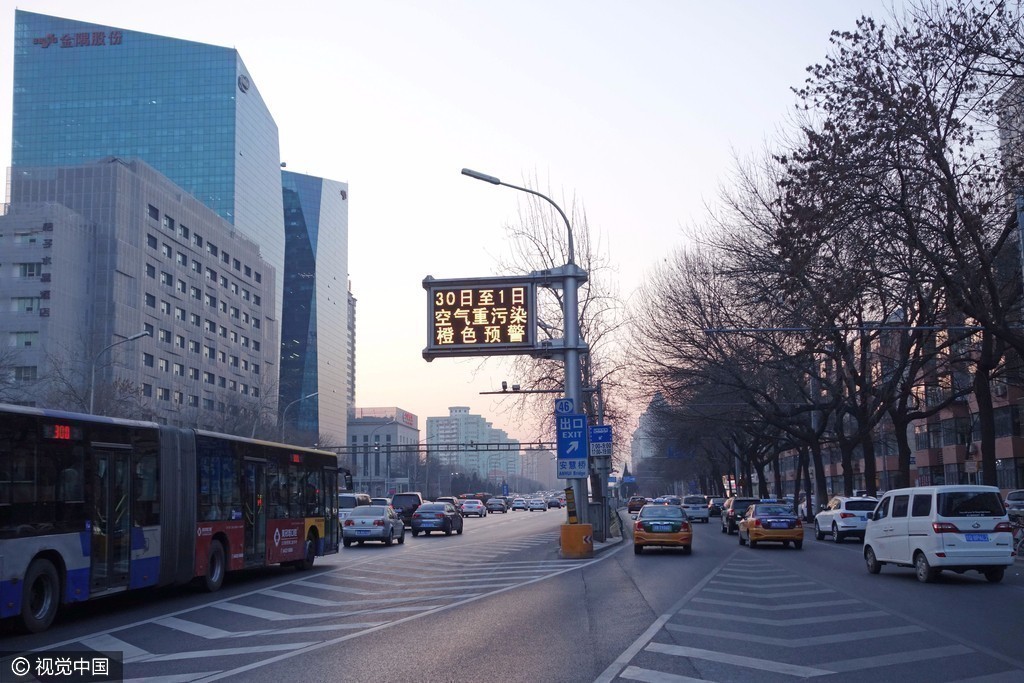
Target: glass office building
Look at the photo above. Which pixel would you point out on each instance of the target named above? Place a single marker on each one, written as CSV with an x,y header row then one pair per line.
x,y
192,111
315,316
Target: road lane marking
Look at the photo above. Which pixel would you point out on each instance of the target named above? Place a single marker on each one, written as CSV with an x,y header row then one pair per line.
x,y
635,673
811,641
738,660
798,621
759,594
777,608
903,657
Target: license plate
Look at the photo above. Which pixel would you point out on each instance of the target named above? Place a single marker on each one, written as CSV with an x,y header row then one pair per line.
x,y
661,527
362,531
976,537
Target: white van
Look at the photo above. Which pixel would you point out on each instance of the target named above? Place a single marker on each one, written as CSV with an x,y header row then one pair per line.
x,y
931,528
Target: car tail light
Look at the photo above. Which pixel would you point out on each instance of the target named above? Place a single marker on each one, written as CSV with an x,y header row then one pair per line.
x,y
846,515
639,526
378,522
440,515
1004,526
349,522
757,522
944,527
685,526
799,524
415,515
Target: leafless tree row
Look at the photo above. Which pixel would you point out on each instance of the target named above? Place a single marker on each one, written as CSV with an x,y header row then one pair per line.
x,y
867,272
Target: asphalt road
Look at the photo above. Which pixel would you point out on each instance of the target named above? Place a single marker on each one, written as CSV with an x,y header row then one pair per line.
x,y
498,604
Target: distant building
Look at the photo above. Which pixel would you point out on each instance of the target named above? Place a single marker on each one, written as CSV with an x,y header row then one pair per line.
x,y
383,450
111,248
468,444
350,378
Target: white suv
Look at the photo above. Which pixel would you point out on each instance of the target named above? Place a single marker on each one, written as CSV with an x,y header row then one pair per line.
x,y
696,508
844,517
931,528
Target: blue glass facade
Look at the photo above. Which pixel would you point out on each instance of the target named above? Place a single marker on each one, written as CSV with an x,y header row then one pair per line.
x,y
84,91
314,323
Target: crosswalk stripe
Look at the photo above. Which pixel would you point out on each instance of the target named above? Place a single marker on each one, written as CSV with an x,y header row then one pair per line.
x,y
811,641
797,621
738,660
635,673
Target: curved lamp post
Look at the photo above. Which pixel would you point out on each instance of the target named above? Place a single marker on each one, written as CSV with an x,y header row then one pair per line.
x,y
572,277
284,413
92,370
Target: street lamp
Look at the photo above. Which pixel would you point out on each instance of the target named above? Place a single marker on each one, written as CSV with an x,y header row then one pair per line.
x,y
284,413
92,371
572,277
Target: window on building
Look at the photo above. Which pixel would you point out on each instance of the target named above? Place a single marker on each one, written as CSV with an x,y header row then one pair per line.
x,y
257,276
179,397
26,373
193,346
211,326
30,269
168,223
208,378
195,293
165,307
154,213
197,240
256,323
211,249
207,404
151,241
233,361
234,288
182,259
256,300
193,373
221,381
225,258
147,390
211,301
223,306
197,267
182,287
179,341
193,401
195,319
211,275
24,339
209,352
166,249
163,365
151,271
236,264
234,313
223,332
223,282
255,345
165,336
163,394
178,369
150,301
166,279
183,232
222,356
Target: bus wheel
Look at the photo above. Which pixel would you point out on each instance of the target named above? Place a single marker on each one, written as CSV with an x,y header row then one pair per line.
x,y
40,596
214,568
307,561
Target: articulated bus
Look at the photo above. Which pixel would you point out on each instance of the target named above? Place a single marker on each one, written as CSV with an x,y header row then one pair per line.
x,y
92,506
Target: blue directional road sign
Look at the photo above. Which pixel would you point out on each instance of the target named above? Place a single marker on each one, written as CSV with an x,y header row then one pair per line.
x,y
601,441
572,446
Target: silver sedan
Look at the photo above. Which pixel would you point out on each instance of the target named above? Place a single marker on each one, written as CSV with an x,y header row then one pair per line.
x,y
372,523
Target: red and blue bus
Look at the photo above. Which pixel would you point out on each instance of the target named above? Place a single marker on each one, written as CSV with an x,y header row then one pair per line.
x,y
91,506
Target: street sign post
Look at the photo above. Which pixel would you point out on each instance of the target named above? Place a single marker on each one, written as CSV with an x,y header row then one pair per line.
x,y
572,446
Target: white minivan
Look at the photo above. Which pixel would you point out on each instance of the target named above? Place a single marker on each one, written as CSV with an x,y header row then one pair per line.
x,y
931,528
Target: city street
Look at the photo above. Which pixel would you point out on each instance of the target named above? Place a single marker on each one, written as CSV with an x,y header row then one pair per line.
x,y
498,603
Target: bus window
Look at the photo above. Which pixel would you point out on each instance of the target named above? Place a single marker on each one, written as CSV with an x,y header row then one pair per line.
x,y
146,485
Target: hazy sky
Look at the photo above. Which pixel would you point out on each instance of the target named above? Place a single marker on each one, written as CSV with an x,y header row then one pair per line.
x,y
635,108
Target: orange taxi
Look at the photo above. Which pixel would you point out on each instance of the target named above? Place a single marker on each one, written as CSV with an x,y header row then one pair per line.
x,y
664,525
771,522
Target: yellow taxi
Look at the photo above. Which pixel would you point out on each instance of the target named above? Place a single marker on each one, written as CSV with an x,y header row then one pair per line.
x,y
664,525
774,522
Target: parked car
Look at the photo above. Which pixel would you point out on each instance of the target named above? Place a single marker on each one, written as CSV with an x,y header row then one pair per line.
x,y
635,503
348,501
536,504
519,504
437,516
406,503
715,506
696,508
732,512
662,525
770,522
932,528
372,523
496,504
844,517
472,506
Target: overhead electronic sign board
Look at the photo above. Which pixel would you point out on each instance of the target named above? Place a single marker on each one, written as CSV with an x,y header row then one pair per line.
x,y
480,317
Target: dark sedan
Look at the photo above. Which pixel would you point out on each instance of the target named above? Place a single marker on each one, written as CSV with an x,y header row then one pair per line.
x,y
496,504
436,517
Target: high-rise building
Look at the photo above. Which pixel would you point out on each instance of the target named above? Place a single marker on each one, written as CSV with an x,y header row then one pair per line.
x,y
192,111
105,250
482,449
314,322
